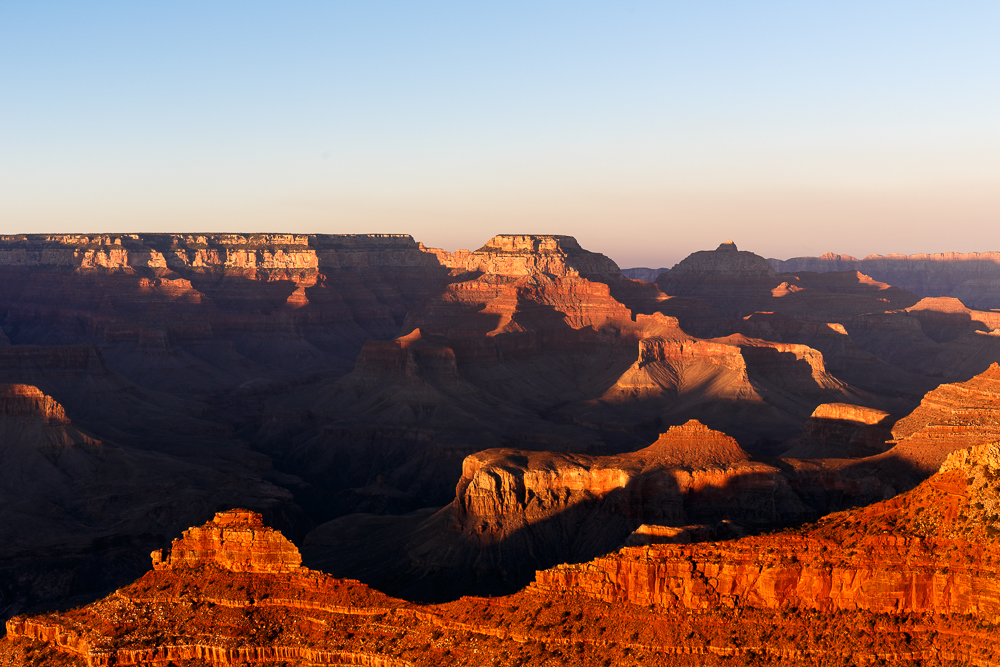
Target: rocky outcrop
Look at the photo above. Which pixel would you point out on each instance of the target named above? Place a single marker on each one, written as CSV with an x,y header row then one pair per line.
x,y
223,596
184,289
896,575
949,418
521,325
26,401
77,510
161,350
771,387
733,281
850,413
922,552
738,283
524,254
236,540
501,490
518,510
692,484
268,253
794,598
533,312
944,319
311,377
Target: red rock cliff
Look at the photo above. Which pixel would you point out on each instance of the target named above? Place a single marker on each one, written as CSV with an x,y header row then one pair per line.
x,y
208,615
24,400
933,549
951,417
523,254
236,540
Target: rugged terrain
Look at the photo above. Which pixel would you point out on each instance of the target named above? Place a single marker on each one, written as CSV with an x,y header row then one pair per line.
x,y
516,510
912,580
337,383
931,550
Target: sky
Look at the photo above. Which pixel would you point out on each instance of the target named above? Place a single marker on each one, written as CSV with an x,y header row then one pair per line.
x,y
648,130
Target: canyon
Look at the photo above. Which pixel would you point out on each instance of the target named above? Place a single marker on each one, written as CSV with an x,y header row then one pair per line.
x,y
442,424
908,580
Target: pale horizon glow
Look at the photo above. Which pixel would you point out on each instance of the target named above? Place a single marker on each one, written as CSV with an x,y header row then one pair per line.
x,y
647,130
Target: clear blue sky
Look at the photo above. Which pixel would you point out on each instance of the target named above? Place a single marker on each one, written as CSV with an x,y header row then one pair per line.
x,y
647,130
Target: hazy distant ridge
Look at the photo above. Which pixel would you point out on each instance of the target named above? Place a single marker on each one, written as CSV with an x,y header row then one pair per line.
x,y
972,277
643,273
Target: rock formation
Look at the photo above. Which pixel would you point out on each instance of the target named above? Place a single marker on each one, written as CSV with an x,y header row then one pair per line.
x,y
737,603
752,388
930,551
731,280
77,511
313,377
951,417
727,259
841,430
524,254
237,541
675,478
517,509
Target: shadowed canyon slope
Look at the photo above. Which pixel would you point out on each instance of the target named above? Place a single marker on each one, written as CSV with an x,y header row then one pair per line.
x,y
516,511
972,277
342,380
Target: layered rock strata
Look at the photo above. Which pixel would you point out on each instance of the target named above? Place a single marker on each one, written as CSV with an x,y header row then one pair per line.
x,y
951,417
524,254
693,484
317,376
739,283
236,540
209,615
735,383
517,510
23,400
932,550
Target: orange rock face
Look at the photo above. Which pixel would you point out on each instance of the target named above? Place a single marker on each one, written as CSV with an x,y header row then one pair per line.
x,y
794,599
518,510
951,417
28,401
932,550
524,254
237,541
502,490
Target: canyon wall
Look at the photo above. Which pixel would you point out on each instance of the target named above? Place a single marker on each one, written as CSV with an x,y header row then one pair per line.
x,y
316,377
972,277
786,599
927,551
